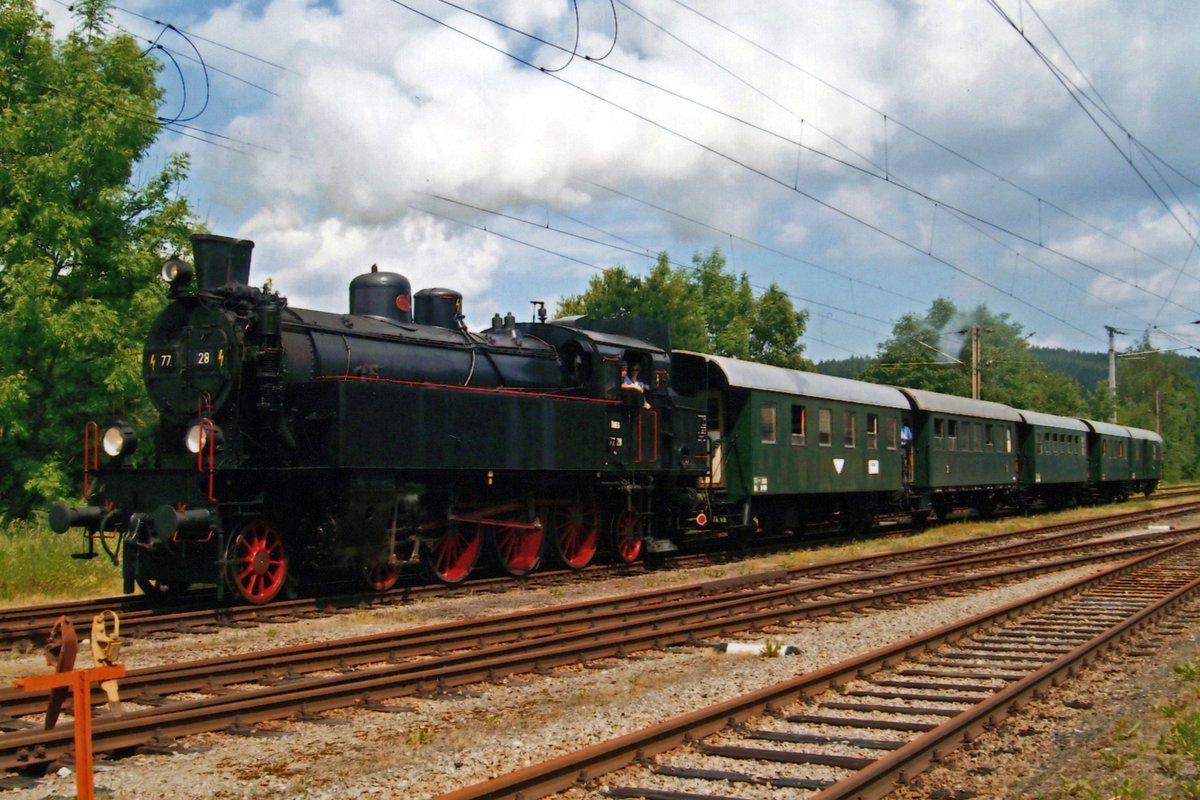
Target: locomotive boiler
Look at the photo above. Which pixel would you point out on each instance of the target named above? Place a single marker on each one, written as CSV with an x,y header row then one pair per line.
x,y
294,445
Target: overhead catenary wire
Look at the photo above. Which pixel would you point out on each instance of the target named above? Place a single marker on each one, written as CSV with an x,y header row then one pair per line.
x,y
635,250
887,170
744,165
893,120
887,175
1083,100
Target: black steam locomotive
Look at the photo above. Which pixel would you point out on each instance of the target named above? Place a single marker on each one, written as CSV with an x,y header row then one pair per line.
x,y
295,444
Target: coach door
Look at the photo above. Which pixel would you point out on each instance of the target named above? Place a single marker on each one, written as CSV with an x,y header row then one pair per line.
x,y
716,441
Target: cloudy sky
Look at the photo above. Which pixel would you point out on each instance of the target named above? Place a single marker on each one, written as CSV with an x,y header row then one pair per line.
x,y
866,156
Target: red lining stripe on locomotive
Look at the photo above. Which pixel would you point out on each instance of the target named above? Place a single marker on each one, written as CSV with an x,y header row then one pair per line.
x,y
484,389
654,458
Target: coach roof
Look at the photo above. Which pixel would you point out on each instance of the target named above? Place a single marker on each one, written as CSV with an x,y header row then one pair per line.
x,y
1053,421
1142,433
764,377
962,406
1107,428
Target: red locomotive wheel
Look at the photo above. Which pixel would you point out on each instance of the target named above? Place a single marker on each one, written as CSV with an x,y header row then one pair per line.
x,y
627,536
377,574
256,563
518,549
451,558
576,531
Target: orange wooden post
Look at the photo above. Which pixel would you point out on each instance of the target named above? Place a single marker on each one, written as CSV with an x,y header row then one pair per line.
x,y
80,683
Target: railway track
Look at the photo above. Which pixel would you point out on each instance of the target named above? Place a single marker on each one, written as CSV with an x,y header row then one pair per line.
x,y
198,612
281,683
860,728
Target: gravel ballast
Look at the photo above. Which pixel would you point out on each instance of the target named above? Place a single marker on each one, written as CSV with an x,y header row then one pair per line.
x,y
428,745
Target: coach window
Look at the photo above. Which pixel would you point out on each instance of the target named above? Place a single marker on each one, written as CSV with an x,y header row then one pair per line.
x,y
1120,449
893,437
951,434
825,427
1104,448
873,431
849,426
989,436
939,425
767,423
799,425
1008,440
1037,443
977,437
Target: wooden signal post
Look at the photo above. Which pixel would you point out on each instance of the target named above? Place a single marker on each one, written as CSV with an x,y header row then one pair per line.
x,y
79,681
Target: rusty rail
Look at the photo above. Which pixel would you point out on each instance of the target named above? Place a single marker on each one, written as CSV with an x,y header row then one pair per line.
x,y
882,775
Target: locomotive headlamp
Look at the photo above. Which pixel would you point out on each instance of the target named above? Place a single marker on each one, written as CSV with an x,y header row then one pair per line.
x,y
197,437
119,441
176,270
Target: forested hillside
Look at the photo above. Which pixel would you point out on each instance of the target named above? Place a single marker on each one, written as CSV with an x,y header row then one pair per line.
x,y
1088,369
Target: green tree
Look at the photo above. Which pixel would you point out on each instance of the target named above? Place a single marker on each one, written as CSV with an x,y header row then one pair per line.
x,y
79,242
1154,392
709,309
933,352
916,355
1101,404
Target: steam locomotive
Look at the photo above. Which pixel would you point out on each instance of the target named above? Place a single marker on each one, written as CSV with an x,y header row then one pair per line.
x,y
294,445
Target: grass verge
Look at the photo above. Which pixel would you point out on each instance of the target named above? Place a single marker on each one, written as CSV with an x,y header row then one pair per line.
x,y
36,566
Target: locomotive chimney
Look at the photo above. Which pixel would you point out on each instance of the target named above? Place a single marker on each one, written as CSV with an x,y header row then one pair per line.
x,y
220,260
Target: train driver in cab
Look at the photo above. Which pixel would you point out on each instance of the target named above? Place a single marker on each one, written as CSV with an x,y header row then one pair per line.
x,y
630,381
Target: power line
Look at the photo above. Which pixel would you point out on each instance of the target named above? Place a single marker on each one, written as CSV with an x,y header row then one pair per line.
x,y
888,118
1079,96
637,250
201,38
743,165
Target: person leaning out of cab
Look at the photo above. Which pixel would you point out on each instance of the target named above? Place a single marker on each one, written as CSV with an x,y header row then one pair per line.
x,y
630,381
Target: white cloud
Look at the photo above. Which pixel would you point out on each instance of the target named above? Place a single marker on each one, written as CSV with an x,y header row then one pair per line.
x,y
381,108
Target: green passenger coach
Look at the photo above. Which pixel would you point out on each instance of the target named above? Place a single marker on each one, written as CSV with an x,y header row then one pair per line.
x,y
1147,459
964,451
793,447
1053,458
